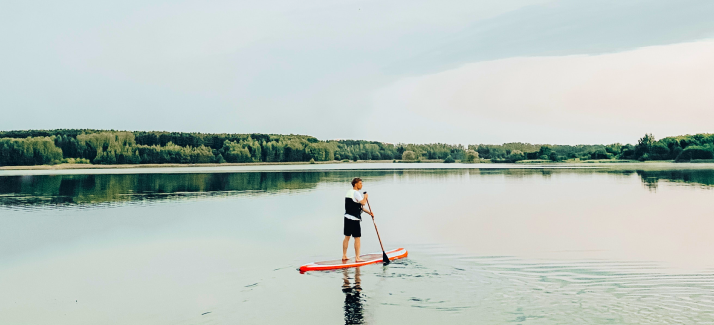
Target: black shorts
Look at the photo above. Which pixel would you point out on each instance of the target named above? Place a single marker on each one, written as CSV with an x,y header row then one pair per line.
x,y
352,228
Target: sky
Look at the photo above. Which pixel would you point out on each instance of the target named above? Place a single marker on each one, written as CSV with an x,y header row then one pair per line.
x,y
468,72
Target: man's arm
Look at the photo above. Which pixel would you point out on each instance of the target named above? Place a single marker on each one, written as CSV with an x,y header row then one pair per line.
x,y
364,199
363,202
359,195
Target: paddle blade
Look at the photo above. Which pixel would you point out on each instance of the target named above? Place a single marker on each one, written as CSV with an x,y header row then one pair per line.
x,y
385,259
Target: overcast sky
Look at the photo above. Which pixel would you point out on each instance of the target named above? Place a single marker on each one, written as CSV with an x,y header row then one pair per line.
x,y
465,72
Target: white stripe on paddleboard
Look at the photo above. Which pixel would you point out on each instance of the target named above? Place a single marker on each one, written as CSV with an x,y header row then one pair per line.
x,y
391,254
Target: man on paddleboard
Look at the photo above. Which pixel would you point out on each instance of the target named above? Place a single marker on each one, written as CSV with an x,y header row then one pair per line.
x,y
354,205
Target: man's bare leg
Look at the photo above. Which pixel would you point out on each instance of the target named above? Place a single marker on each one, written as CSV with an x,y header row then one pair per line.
x,y
344,247
357,247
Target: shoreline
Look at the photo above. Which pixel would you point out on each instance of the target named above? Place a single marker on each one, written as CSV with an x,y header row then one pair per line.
x,y
584,163
129,166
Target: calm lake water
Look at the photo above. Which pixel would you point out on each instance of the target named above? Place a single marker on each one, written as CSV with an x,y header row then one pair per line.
x,y
488,245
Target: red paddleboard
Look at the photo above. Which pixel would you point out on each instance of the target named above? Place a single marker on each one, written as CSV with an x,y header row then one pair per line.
x,y
340,264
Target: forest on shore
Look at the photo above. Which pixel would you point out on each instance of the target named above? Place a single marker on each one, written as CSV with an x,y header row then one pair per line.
x,y
42,147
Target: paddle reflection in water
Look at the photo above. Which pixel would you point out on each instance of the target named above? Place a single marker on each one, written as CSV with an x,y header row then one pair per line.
x,y
353,297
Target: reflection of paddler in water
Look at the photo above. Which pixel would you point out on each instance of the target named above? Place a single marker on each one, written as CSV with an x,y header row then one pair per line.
x,y
353,298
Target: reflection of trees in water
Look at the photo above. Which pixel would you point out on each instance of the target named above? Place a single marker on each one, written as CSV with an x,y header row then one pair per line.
x,y
82,189
96,189
649,178
704,178
354,301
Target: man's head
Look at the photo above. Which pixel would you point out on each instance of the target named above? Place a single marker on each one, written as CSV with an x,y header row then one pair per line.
x,y
357,183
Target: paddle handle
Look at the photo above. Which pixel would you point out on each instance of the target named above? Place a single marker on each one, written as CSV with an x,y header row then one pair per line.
x,y
375,227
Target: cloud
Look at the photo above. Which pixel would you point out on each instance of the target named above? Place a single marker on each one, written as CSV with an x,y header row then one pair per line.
x,y
616,97
273,66
306,67
566,27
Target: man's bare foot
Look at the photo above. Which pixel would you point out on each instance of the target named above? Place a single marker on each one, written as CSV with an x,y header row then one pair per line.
x,y
359,260
344,258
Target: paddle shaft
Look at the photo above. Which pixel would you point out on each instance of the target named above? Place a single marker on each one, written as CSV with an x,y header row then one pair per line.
x,y
375,228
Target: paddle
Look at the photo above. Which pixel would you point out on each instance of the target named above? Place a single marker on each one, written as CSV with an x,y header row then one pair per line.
x,y
385,259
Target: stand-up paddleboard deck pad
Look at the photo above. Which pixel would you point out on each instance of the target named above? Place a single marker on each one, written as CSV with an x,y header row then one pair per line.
x,y
340,264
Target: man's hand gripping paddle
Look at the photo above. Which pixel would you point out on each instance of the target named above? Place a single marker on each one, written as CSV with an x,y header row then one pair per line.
x,y
385,259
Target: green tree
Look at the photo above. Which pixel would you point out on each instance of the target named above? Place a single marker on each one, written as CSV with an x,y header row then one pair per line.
x,y
600,154
643,146
409,155
696,152
470,156
659,151
613,149
235,153
29,151
544,152
516,155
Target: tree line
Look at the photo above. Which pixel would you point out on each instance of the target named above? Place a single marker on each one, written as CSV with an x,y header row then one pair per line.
x,y
679,148
40,147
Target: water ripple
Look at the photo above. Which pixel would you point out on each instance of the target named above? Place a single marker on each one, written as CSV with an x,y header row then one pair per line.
x,y
587,292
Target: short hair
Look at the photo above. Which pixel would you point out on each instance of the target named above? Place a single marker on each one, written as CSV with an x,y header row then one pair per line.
x,y
355,181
